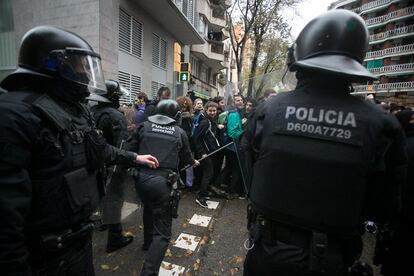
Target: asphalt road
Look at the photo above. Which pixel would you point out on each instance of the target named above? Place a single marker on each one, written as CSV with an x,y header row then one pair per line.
x,y
204,241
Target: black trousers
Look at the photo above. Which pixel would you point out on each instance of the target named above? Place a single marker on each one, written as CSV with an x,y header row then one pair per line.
x,y
73,260
232,172
207,169
269,258
399,258
286,251
114,199
154,192
218,159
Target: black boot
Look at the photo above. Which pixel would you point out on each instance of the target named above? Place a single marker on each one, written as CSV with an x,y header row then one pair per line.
x,y
116,238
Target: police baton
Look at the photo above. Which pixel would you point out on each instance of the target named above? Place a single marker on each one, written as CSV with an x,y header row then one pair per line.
x,y
208,155
111,173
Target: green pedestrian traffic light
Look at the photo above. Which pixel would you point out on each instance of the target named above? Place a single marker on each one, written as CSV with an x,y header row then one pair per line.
x,y
184,76
185,69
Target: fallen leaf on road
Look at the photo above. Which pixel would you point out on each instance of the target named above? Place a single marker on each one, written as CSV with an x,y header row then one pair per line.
x,y
188,252
168,253
237,259
204,240
167,267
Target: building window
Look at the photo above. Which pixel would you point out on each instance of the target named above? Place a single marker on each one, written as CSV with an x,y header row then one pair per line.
x,y
204,73
154,88
159,51
130,34
131,82
202,26
194,66
187,8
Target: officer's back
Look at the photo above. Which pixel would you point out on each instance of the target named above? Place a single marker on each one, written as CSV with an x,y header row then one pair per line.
x,y
323,160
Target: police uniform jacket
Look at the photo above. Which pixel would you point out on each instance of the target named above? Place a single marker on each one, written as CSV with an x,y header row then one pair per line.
x,y
167,142
323,159
205,140
48,172
112,123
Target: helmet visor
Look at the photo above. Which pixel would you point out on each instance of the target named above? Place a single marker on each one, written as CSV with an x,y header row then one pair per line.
x,y
124,93
84,69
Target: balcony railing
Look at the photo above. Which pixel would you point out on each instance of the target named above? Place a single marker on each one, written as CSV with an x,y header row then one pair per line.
x,y
391,15
217,48
384,87
373,4
390,51
392,33
393,68
218,12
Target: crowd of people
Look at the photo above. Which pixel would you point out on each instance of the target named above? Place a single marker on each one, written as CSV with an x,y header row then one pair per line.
x,y
315,163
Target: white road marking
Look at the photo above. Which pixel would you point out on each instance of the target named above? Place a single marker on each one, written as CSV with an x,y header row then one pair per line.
x,y
200,220
212,204
186,241
127,209
169,269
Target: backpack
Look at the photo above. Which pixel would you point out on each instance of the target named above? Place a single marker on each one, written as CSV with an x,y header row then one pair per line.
x,y
196,122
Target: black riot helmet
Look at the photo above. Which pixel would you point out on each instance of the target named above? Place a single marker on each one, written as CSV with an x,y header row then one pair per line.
x,y
336,43
52,53
115,90
169,108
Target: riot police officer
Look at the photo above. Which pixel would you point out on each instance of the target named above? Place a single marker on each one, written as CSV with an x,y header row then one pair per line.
x,y
161,136
332,158
164,93
50,156
113,125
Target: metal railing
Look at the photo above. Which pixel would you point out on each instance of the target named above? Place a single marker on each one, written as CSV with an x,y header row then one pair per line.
x,y
389,16
392,33
393,68
390,51
383,87
217,48
372,4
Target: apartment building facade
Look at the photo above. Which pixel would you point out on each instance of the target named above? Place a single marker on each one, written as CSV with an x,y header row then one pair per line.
x,y
391,47
135,38
211,65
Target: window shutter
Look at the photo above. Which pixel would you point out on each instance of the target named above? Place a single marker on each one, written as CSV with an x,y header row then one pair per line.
x,y
163,50
124,31
137,35
155,50
131,82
